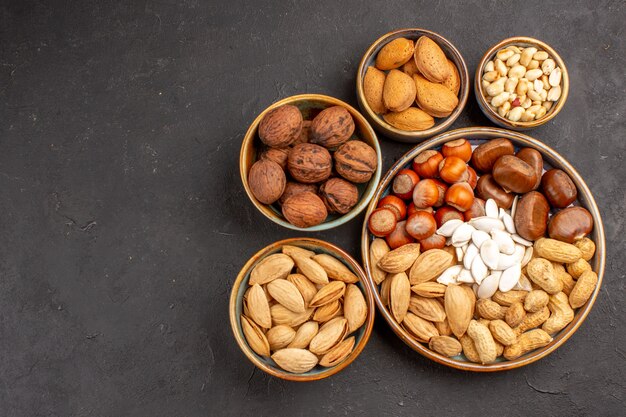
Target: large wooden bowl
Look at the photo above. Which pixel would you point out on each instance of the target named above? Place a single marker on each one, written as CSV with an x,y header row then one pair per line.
x,y
585,199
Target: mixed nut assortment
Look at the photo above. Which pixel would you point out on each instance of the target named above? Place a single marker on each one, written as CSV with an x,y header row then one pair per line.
x,y
295,169
407,73
303,317
521,83
469,257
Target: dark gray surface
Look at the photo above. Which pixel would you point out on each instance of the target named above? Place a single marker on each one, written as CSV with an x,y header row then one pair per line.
x,y
124,222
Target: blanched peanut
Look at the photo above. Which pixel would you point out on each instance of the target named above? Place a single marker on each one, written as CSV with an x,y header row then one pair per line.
x,y
515,114
533,65
504,108
500,99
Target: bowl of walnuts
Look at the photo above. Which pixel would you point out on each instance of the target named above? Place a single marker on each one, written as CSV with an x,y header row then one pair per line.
x,y
310,162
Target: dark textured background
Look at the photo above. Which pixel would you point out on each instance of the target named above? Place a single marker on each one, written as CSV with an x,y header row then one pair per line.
x,y
123,221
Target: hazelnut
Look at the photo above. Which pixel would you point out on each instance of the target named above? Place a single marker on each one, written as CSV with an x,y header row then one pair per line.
x,y
304,210
443,187
356,161
426,164
472,177
513,174
487,188
339,195
293,188
331,127
570,224
460,196
395,204
281,126
404,183
531,215
558,188
533,158
412,209
278,155
446,213
425,194
476,210
309,163
267,181
486,154
399,236
382,222
452,169
421,225
460,148
433,241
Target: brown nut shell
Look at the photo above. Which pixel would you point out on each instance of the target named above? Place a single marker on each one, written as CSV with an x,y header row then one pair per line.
x,y
514,175
339,195
293,188
531,215
373,84
281,126
398,91
309,163
410,119
533,158
356,161
435,99
570,224
395,54
558,188
278,155
331,127
431,60
304,210
487,188
267,181
486,154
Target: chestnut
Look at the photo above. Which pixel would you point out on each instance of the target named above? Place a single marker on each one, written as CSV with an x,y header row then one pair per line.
x,y
443,187
514,175
395,204
487,188
531,215
425,194
446,213
426,164
382,222
412,209
453,169
570,224
472,178
558,188
420,225
486,154
477,209
399,236
404,182
533,158
460,148
460,196
434,241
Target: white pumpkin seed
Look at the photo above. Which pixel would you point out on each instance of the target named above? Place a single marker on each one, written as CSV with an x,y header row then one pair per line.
x,y
489,286
491,208
504,241
518,239
448,228
468,258
486,224
479,237
462,234
490,254
479,269
450,275
465,276
510,277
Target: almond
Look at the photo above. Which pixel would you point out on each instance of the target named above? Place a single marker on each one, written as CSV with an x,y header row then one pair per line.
x,y
459,309
337,354
421,329
400,259
335,269
399,295
275,266
427,308
295,360
378,249
398,91
395,54
385,288
453,82
328,293
255,337
294,251
304,335
282,315
258,307
329,335
410,68
354,307
311,269
429,265
280,336
410,119
327,311
306,288
429,289
445,345
287,294
431,60
373,84
435,99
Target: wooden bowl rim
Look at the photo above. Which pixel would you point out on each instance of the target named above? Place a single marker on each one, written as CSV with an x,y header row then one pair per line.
x,y
600,256
277,372
372,140
478,88
413,136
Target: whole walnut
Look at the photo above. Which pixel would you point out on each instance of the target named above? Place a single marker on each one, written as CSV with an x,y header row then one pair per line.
x,y
293,188
304,209
304,133
281,126
309,163
356,161
267,181
278,155
339,195
332,127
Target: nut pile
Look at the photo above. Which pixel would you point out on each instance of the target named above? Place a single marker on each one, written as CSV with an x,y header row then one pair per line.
x,y
302,318
405,73
295,168
477,274
522,83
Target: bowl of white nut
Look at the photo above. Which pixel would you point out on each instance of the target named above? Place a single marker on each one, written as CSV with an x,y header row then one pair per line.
x,y
521,83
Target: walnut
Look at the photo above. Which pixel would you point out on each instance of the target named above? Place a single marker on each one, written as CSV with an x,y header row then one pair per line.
x,y
309,163
332,127
267,181
278,155
281,126
304,210
304,133
339,195
293,188
356,161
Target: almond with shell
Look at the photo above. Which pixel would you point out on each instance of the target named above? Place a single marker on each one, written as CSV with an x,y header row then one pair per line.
x,y
398,91
453,82
294,251
395,54
427,308
429,265
335,269
275,266
328,293
378,249
400,259
459,308
430,60
306,288
311,269
445,345
280,336
337,354
373,84
411,119
422,330
435,99
287,294
295,360
327,311
258,307
255,337
429,289
329,335
354,307
282,315
399,295
305,333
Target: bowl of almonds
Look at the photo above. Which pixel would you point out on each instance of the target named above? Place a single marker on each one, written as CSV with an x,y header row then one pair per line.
x,y
485,249
301,309
412,84
521,83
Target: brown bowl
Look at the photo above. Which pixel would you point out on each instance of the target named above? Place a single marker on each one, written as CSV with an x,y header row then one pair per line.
x,y
236,309
503,121
310,105
441,124
585,199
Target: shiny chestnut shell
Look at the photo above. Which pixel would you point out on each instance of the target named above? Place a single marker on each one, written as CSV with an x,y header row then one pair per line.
x,y
558,188
570,224
486,154
487,188
514,175
533,158
531,215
